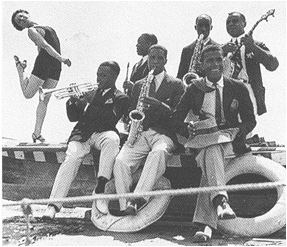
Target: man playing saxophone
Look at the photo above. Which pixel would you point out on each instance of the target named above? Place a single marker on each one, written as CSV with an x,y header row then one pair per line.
x,y
96,114
154,141
203,25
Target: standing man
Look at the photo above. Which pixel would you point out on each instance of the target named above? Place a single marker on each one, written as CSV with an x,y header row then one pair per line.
x,y
97,114
247,60
140,69
156,142
203,25
47,67
217,101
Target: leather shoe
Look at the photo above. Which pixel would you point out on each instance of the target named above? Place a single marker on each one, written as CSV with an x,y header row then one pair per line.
x,y
223,209
132,208
49,213
203,234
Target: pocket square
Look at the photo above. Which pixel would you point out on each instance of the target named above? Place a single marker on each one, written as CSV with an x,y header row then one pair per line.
x,y
109,101
234,105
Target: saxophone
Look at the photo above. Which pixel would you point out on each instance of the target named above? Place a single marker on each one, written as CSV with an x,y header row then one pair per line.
x,y
137,116
191,74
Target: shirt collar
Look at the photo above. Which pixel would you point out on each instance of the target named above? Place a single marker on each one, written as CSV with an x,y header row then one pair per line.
x,y
219,83
159,77
144,58
237,38
206,41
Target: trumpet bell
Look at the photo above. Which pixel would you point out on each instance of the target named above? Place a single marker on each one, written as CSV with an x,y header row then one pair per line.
x,y
188,77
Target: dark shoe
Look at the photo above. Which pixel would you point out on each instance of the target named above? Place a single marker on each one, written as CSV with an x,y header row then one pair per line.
x,y
49,213
203,234
132,208
39,137
19,63
223,209
135,205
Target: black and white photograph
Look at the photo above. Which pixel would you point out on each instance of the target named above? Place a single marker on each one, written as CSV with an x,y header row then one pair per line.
x,y
143,123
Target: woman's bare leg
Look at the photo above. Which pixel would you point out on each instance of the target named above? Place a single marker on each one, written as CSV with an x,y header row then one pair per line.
x,y
42,107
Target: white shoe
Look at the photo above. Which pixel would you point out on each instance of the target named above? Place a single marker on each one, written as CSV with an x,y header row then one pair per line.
x,y
49,213
102,206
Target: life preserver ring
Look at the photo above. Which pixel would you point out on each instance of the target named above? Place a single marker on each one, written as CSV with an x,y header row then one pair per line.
x,y
269,222
145,216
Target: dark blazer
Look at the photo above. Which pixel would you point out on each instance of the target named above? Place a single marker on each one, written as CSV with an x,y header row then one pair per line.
x,y
101,115
139,72
169,93
185,58
236,101
253,61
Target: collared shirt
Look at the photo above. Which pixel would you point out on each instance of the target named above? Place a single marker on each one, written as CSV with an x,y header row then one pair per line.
x,y
206,41
243,73
159,78
208,105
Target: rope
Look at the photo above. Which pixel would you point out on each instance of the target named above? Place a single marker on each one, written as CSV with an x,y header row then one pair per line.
x,y
173,192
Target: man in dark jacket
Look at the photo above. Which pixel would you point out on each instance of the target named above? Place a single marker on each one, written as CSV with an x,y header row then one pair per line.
x,y
154,142
203,25
217,101
97,114
247,60
140,69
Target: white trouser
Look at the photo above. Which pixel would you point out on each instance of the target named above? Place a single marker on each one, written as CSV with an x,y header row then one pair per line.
x,y
108,142
153,147
212,163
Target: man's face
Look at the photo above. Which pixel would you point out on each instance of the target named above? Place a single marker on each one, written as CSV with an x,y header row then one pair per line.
x,y
105,77
203,26
235,25
142,46
22,19
156,60
212,65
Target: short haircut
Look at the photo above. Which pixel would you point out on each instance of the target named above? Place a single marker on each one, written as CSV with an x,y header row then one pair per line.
x,y
208,48
113,65
158,47
13,18
205,17
151,38
240,15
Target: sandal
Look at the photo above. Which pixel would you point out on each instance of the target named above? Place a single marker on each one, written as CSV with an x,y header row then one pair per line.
x,y
18,62
39,137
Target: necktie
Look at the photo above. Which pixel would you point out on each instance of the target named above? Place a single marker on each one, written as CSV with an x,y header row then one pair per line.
x,y
237,62
217,104
152,88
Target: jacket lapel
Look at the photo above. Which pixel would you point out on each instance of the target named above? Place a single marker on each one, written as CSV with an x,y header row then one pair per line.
x,y
228,96
163,88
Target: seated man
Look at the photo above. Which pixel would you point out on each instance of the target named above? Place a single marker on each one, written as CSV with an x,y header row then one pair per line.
x,y
155,142
217,101
97,114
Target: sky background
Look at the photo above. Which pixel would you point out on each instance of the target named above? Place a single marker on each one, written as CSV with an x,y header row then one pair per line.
x,y
92,32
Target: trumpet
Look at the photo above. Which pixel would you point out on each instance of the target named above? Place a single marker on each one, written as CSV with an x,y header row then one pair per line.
x,y
71,91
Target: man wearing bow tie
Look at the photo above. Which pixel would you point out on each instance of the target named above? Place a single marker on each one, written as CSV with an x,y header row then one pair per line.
x,y
156,142
96,114
247,60
220,100
140,69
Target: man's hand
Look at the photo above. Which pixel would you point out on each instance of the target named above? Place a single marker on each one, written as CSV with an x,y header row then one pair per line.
x,y
128,86
229,47
248,41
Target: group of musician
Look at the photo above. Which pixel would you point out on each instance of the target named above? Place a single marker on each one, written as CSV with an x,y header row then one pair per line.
x,y
224,106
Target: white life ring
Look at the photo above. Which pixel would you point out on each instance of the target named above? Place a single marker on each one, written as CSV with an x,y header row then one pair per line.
x,y
145,216
269,222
